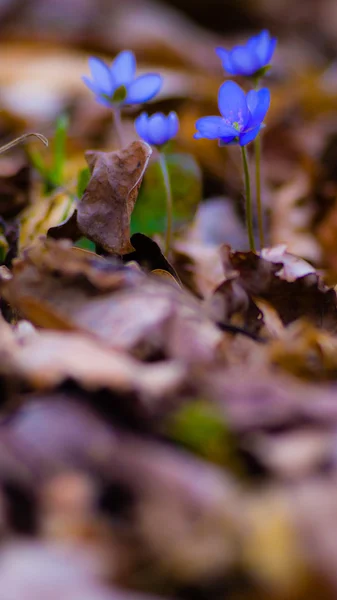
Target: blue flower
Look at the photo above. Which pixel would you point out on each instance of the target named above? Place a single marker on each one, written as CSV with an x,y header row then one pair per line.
x,y
248,60
118,84
242,116
157,129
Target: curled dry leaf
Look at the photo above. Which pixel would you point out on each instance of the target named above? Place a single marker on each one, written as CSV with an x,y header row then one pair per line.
x,y
231,303
148,255
292,268
104,211
276,282
162,274
66,229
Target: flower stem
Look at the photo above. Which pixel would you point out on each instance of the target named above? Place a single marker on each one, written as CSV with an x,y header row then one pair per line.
x,y
257,152
119,126
257,148
169,203
249,216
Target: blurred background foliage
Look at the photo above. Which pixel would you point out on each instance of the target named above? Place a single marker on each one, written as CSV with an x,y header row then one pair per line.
x,y
45,46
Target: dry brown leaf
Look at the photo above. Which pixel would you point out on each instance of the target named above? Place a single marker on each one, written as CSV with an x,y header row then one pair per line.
x,y
313,504
47,359
148,255
199,266
293,266
306,295
44,213
306,351
293,454
162,274
66,229
15,184
253,397
60,287
271,550
104,212
75,263
161,481
327,235
32,570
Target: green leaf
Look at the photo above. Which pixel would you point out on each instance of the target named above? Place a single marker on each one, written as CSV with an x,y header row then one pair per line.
x,y
52,176
38,162
199,427
149,215
85,244
59,150
82,181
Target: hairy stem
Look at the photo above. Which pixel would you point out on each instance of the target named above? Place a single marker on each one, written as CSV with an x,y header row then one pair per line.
x,y
257,152
119,127
249,216
169,204
257,149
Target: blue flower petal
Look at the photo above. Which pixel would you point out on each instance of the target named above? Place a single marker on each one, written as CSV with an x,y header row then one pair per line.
x,y
103,79
262,46
90,84
158,129
213,128
249,136
253,42
141,126
173,124
232,104
143,88
123,68
272,45
245,61
258,104
225,56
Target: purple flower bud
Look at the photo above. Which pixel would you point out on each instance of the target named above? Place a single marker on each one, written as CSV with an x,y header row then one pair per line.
x,y
251,58
158,129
